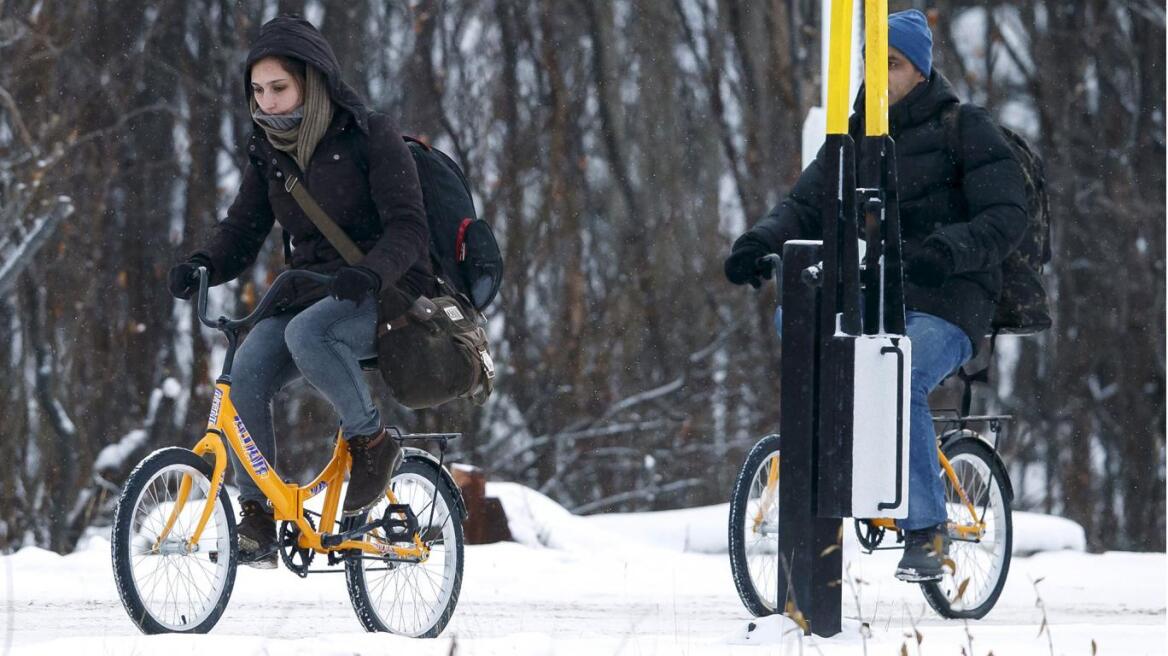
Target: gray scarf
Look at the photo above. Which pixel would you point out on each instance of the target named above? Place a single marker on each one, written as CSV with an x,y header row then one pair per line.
x,y
299,131
279,122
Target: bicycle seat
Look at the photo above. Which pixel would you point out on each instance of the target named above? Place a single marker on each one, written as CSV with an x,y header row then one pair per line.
x,y
368,364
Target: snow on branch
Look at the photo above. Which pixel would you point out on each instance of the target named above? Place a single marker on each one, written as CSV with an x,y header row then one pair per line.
x,y
116,459
15,259
644,494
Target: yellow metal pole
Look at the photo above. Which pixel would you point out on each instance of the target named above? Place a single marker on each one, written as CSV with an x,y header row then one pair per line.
x,y
839,67
876,68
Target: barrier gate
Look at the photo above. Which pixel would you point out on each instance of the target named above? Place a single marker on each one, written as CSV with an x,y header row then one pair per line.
x,y
846,361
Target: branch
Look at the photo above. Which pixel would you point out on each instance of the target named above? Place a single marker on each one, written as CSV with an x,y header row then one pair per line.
x,y
16,261
115,460
644,493
122,120
711,75
17,122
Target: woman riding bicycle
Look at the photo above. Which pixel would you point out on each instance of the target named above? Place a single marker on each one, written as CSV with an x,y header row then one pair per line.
x,y
308,122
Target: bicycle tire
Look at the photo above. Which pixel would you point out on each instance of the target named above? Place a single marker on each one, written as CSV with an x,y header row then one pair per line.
x,y
139,515
975,462
754,553
367,597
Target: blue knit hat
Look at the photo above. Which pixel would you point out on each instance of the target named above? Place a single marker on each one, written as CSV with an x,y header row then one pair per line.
x,y
908,32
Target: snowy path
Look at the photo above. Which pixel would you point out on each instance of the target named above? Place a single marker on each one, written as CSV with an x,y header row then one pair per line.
x,y
589,597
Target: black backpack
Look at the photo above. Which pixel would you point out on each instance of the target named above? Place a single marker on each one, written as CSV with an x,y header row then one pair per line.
x,y
462,246
1023,308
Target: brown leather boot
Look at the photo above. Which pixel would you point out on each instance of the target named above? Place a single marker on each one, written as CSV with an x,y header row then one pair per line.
x,y
375,458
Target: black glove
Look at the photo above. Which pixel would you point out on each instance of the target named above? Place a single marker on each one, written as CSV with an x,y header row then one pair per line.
x,y
930,266
183,278
353,283
744,265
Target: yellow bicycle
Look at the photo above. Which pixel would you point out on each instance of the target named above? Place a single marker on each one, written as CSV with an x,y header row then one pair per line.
x,y
977,498
174,537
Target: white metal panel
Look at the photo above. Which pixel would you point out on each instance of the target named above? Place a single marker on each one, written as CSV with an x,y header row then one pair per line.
x,y
877,431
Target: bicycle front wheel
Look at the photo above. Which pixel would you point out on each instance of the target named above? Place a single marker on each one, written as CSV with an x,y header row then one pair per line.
x,y
754,528
975,577
408,598
167,584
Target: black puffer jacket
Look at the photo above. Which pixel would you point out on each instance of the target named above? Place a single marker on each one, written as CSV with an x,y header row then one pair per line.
x,y
361,174
972,202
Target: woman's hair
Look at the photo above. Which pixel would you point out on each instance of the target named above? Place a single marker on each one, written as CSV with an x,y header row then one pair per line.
x,y
294,67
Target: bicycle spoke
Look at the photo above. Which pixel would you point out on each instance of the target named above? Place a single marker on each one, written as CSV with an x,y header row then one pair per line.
x,y
409,598
171,586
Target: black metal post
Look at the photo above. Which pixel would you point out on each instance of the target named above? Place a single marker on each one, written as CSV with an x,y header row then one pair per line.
x,y
809,570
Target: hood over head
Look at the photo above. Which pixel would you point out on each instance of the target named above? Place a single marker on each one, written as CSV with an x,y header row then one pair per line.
x,y
292,36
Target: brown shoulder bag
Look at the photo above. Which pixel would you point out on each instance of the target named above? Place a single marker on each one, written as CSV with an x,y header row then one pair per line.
x,y
437,350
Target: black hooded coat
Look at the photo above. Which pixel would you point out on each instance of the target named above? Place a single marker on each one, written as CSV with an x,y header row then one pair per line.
x,y
972,202
361,174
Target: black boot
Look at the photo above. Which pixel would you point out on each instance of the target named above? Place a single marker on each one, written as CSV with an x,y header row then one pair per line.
x,y
257,535
924,554
375,458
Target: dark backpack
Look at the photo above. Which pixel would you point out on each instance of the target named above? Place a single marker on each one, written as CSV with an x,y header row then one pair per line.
x,y
462,246
463,249
1023,308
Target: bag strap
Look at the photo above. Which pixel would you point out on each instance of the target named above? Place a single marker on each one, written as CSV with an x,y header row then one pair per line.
x,y
340,241
980,376
951,121
331,231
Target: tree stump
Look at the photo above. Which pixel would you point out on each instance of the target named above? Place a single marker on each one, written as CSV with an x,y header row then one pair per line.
x,y
486,521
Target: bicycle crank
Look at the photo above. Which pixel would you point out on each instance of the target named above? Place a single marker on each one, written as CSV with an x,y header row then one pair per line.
x,y
296,558
869,535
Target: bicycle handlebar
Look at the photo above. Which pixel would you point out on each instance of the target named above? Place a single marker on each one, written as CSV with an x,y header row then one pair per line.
x,y
223,323
776,262
775,259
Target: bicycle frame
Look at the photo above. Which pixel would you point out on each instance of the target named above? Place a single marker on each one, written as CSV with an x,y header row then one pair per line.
x,y
769,492
287,499
969,531
224,424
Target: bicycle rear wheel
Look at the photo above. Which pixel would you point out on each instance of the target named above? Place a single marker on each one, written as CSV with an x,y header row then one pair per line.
x,y
165,586
974,580
413,599
754,528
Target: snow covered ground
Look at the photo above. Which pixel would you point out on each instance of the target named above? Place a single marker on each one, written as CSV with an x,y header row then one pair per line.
x,y
638,584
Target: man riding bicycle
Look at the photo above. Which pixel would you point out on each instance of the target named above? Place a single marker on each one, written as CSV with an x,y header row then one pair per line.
x,y
961,214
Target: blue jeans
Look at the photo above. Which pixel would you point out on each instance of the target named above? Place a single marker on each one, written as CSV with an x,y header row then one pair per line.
x,y
323,343
938,349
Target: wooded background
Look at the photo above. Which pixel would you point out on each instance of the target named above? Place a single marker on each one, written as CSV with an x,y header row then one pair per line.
x,y
618,147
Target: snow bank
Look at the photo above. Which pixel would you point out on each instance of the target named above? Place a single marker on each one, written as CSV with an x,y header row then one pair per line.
x,y
697,530
537,520
1034,532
